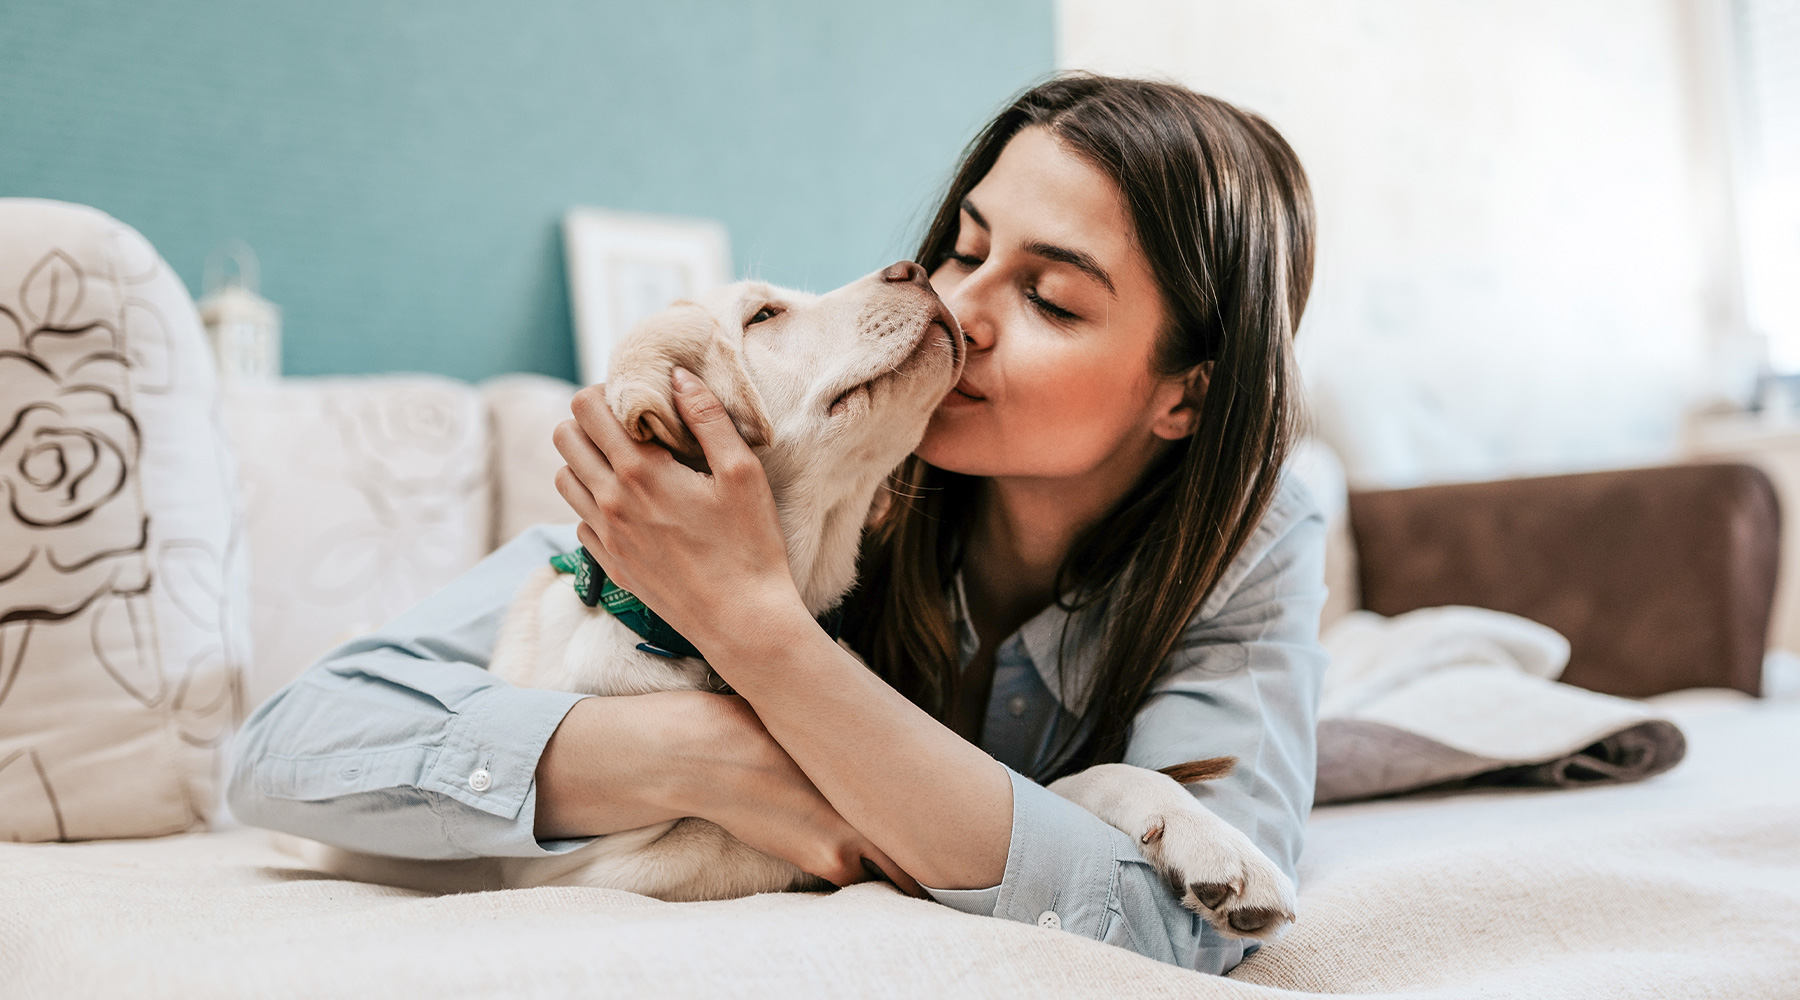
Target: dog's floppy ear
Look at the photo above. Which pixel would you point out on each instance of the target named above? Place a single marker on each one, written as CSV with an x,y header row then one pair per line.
x,y
643,397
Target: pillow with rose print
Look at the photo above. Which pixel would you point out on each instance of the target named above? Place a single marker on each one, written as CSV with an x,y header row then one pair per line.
x,y
122,583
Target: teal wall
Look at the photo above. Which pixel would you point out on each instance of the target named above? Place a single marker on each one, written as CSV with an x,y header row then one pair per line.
x,y
401,166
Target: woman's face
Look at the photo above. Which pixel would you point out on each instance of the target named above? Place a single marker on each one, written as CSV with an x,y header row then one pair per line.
x,y
1062,315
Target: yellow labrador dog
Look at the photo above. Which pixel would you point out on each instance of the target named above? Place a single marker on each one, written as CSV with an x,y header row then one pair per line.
x,y
832,391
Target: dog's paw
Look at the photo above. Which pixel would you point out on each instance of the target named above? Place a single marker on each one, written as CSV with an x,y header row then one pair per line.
x,y
1219,873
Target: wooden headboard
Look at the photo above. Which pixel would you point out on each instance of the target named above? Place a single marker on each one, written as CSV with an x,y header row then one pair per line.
x,y
1660,578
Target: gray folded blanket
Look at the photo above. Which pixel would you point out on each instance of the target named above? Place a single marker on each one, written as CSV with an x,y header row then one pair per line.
x,y
1449,698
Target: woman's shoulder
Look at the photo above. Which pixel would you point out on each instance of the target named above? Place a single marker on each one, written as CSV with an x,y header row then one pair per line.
x,y
1285,553
1258,629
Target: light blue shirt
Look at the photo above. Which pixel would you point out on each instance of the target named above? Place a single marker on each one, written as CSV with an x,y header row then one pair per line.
x,y
375,747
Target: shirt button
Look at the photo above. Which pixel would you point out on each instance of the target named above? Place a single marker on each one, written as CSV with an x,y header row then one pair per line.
x,y
1015,706
1048,919
481,780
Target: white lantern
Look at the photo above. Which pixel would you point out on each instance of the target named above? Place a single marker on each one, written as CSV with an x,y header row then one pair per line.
x,y
244,327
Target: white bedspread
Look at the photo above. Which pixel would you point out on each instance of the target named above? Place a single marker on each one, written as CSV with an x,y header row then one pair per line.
x,y
1685,885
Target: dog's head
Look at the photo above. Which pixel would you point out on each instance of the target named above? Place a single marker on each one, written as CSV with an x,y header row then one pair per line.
x,y
852,375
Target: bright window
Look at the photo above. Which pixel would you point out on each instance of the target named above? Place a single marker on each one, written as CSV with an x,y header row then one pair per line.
x,y
1768,46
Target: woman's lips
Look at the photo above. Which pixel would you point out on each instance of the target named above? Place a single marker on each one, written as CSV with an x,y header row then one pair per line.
x,y
963,394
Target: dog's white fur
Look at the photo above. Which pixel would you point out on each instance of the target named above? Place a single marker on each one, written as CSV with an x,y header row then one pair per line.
x,y
833,391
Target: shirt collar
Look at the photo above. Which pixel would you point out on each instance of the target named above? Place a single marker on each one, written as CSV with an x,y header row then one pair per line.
x,y
1040,640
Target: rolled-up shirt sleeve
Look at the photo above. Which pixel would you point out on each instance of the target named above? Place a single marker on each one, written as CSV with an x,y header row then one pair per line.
x,y
401,742
1243,682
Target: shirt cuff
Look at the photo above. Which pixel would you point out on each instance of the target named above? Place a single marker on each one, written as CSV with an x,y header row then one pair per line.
x,y
977,901
1067,869
1061,864
1059,867
488,761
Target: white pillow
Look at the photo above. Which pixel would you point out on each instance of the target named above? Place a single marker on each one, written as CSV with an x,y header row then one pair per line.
x,y
121,570
362,496
525,410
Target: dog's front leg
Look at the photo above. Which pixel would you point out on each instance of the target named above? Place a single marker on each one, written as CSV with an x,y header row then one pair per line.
x,y
518,647
1216,870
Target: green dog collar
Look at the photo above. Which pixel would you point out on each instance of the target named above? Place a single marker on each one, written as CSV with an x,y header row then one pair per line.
x,y
660,639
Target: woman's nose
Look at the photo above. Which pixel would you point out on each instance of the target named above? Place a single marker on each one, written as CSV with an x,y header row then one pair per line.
x,y
966,305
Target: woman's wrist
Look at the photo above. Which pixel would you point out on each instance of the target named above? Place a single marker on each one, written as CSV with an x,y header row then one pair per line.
x,y
608,767
695,747
755,628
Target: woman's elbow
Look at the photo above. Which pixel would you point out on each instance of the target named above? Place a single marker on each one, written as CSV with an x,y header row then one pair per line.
x,y
242,795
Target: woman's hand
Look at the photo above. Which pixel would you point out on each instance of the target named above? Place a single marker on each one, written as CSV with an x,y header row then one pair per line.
x,y
746,783
621,763
705,551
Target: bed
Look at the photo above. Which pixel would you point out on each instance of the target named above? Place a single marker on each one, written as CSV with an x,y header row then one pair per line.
x,y
360,496
1686,885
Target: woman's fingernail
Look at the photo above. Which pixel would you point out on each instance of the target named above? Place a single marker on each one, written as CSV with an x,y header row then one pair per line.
x,y
683,381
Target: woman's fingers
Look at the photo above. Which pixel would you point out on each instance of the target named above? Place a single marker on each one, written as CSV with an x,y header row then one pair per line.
x,y
695,548
707,420
578,496
838,866
893,872
745,782
846,857
595,417
589,465
590,540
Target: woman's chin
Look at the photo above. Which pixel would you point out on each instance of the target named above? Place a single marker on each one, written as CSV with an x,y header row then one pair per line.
x,y
947,444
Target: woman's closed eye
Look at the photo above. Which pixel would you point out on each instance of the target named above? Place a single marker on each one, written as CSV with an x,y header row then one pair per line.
x,y
969,262
1049,308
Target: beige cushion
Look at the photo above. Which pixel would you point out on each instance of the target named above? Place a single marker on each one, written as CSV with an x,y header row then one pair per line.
x,y
121,579
525,409
362,496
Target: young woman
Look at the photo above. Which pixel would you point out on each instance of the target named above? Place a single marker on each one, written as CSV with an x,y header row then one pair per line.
x,y
1093,556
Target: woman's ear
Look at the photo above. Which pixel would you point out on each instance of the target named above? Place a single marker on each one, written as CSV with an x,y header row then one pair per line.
x,y
1176,403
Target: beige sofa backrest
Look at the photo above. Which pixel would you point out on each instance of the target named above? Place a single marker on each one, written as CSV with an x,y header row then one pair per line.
x,y
364,494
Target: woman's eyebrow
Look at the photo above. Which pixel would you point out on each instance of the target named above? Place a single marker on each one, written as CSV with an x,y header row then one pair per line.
x,y
975,214
1074,258
1082,262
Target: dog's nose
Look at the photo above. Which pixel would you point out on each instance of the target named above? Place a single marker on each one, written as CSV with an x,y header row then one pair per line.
x,y
906,270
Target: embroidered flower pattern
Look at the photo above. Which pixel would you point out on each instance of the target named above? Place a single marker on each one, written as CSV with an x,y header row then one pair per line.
x,y
72,527
135,616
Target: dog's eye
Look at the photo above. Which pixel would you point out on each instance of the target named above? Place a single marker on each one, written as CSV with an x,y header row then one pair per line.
x,y
766,312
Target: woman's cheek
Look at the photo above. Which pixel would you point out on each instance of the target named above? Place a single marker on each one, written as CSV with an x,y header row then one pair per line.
x,y
1067,414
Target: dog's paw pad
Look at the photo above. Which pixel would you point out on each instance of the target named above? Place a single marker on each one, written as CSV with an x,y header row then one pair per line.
x,y
1256,919
1219,874
1212,894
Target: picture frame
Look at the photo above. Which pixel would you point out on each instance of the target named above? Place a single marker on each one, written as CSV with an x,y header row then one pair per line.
x,y
623,266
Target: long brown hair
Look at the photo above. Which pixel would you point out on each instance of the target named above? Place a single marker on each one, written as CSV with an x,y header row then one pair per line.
x,y
1222,212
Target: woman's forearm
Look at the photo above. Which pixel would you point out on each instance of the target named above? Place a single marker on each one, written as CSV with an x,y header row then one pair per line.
x,y
939,806
606,769
622,763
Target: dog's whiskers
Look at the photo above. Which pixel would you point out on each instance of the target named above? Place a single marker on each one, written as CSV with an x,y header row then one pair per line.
x,y
917,493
